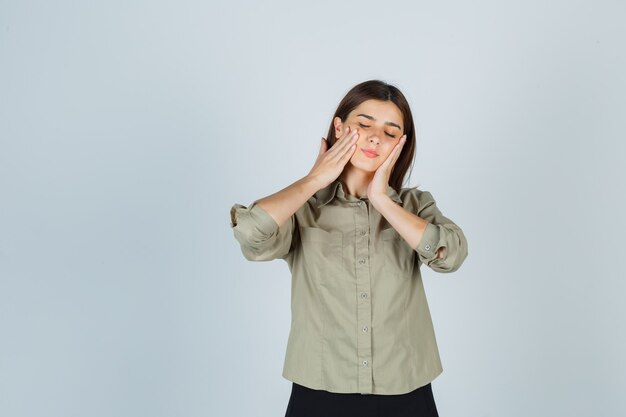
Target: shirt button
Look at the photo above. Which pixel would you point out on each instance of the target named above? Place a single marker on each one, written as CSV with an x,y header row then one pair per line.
x,y
363,295
360,203
364,363
365,329
361,261
363,232
427,247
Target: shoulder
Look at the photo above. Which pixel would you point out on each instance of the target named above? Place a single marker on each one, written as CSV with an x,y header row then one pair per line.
x,y
415,199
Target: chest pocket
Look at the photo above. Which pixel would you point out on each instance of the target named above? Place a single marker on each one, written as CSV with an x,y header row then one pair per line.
x,y
398,256
322,252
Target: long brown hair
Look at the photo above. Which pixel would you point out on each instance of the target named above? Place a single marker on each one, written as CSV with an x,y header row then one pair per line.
x,y
380,90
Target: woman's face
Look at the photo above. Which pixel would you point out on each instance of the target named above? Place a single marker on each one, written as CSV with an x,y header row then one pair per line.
x,y
380,127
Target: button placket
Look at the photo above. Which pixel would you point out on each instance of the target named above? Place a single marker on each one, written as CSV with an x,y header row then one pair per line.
x,y
363,288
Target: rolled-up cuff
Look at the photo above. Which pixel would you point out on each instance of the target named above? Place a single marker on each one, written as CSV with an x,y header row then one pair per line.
x,y
253,216
427,247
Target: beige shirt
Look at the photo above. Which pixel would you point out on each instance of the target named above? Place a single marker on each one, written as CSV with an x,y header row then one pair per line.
x,y
360,321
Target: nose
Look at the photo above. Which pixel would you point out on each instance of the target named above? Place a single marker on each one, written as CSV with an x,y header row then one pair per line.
x,y
374,134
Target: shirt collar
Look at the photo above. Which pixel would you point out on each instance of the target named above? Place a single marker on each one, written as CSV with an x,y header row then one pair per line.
x,y
325,195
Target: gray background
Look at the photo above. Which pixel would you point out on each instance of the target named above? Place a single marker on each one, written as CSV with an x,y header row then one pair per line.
x,y
129,129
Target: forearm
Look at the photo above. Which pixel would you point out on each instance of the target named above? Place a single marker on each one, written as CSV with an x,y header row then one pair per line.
x,y
284,203
410,226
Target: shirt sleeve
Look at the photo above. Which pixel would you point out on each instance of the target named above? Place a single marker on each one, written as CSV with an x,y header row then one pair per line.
x,y
441,232
258,233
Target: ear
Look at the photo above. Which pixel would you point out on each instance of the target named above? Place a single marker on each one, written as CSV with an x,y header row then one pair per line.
x,y
338,127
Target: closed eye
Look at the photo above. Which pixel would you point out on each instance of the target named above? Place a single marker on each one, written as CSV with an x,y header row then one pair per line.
x,y
388,134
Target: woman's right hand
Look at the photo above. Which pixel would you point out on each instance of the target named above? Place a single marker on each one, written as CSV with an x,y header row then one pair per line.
x,y
329,164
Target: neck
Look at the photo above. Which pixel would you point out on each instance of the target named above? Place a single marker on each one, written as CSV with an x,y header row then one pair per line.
x,y
356,181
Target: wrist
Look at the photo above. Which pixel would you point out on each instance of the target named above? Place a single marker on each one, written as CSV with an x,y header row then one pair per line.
x,y
313,181
378,198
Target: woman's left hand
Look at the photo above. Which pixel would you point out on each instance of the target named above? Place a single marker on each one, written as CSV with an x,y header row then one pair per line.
x,y
379,184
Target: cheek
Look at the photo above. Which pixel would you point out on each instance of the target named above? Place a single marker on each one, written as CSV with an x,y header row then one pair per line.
x,y
388,151
393,144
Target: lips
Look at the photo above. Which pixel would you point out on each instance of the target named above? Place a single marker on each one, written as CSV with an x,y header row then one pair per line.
x,y
370,152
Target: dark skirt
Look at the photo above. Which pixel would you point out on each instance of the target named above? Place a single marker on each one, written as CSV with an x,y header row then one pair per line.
x,y
307,402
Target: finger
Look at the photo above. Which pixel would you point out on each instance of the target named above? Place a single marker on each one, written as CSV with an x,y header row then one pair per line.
x,y
398,149
392,157
348,132
323,147
345,157
346,141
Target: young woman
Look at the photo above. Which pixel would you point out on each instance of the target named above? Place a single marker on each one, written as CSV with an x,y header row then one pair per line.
x,y
354,241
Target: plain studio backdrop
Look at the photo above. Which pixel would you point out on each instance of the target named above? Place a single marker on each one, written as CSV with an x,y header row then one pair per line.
x,y
129,129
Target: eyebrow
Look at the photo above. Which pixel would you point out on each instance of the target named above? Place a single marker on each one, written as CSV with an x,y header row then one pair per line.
x,y
373,119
